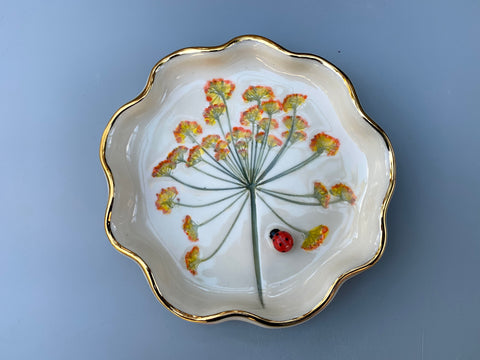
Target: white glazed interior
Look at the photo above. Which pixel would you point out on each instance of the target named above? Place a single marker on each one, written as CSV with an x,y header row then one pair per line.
x,y
295,282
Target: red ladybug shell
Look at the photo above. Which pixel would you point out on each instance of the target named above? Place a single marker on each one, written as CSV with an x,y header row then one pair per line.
x,y
282,240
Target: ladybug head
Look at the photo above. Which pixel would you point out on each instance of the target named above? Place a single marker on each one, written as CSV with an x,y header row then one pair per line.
x,y
273,232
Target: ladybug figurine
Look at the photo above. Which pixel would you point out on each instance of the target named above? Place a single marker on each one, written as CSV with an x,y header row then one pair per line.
x,y
282,240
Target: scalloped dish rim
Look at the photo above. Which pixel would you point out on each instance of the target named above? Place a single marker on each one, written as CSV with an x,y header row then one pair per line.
x,y
241,314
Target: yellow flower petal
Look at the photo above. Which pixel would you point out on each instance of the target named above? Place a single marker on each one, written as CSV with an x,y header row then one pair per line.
x,y
192,260
163,168
344,192
186,128
320,192
218,89
165,199
315,238
190,228
324,143
293,101
212,113
194,155
258,93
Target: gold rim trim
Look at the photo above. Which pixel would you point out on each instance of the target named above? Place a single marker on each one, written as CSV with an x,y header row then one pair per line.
x,y
239,314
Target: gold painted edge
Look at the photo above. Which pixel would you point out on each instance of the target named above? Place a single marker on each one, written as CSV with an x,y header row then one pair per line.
x,y
240,314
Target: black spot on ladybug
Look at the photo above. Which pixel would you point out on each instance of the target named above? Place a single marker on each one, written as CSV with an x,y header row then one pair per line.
x,y
273,232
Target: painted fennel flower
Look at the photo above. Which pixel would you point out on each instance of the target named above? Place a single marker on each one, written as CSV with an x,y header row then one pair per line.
x,y
300,123
178,154
315,237
246,167
272,140
272,107
194,155
186,129
166,199
264,123
293,101
192,260
210,141
212,113
258,93
238,133
221,150
217,90
190,228
242,147
320,193
324,143
251,116
343,192
163,168
297,136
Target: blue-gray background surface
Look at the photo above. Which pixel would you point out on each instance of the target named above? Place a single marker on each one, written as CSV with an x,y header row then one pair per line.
x,y
65,67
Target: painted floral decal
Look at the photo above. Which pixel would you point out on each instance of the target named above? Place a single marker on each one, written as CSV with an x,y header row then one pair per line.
x,y
240,158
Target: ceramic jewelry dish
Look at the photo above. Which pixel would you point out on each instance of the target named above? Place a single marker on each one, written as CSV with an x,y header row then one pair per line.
x,y
247,183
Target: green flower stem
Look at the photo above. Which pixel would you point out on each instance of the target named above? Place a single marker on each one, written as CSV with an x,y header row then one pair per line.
x,y
210,203
251,152
229,173
223,210
203,188
255,144
237,165
264,159
245,163
288,194
234,168
282,149
262,147
292,169
216,177
288,200
242,168
272,193
228,233
224,169
256,250
281,218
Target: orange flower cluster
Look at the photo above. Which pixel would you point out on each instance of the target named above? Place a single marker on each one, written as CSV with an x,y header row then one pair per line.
x,y
194,155
186,128
320,192
344,192
190,228
264,124
210,141
251,115
163,168
221,150
271,107
212,113
239,132
192,260
293,101
272,140
177,155
315,238
166,199
218,90
242,148
296,136
257,93
324,143
299,124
